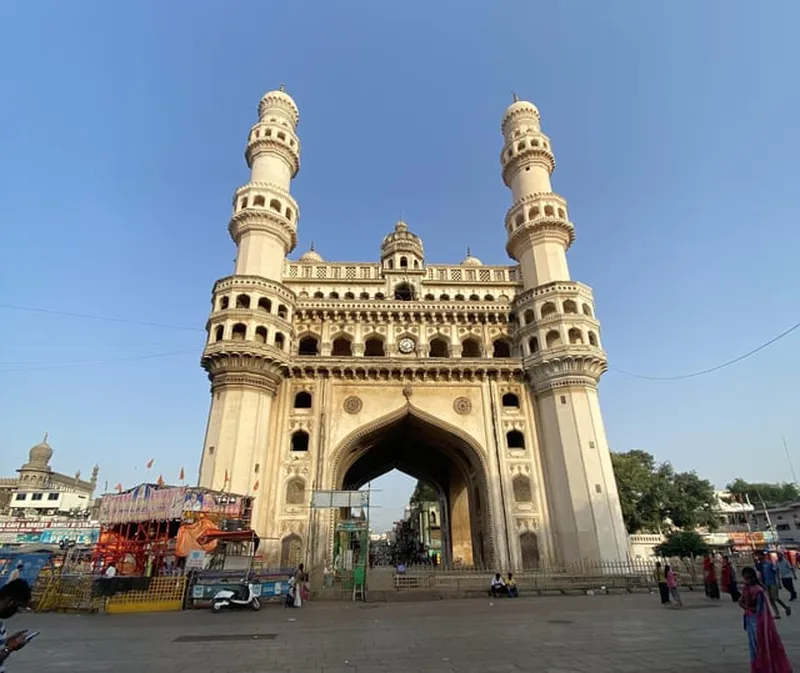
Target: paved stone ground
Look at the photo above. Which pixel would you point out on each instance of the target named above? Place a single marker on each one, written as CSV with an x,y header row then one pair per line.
x,y
553,635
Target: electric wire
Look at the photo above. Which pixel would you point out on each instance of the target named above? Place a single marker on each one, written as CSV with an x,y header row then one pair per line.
x,y
715,368
77,363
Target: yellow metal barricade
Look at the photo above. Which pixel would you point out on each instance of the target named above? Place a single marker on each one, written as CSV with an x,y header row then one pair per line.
x,y
164,594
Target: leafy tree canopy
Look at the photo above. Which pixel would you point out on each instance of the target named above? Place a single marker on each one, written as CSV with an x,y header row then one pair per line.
x,y
772,494
682,544
424,492
650,493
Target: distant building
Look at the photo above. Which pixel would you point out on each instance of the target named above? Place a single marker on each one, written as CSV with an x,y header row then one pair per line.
x,y
38,492
784,521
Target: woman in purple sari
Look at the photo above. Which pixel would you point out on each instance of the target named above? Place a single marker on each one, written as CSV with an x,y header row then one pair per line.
x,y
766,649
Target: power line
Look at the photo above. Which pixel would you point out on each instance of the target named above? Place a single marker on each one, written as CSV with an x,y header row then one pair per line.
x,y
76,363
89,316
716,367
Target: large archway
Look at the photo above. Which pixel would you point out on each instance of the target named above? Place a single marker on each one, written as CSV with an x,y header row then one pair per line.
x,y
435,452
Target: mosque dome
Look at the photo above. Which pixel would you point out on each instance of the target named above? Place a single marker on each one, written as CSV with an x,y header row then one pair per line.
x,y
402,241
311,255
469,260
40,454
279,101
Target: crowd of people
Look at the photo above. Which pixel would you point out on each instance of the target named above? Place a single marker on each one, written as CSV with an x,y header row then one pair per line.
x,y
759,598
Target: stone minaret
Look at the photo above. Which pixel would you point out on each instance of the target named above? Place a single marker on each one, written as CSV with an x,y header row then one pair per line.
x,y
249,330
558,338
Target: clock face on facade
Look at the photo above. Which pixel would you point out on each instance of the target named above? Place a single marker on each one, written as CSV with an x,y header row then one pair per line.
x,y
405,345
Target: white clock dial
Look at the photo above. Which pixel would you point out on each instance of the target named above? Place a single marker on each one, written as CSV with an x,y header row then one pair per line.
x,y
406,345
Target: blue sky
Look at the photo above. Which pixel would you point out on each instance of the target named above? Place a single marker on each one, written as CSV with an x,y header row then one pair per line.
x,y
675,130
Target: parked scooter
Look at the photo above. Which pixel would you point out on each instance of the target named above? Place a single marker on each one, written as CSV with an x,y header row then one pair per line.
x,y
244,597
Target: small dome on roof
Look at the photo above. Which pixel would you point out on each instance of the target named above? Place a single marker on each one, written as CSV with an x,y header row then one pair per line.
x,y
311,255
469,260
40,454
519,108
279,100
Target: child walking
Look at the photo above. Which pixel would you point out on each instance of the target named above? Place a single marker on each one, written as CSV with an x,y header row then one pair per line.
x,y
672,584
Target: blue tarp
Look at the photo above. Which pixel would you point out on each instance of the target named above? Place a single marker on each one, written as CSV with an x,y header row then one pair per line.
x,y
32,564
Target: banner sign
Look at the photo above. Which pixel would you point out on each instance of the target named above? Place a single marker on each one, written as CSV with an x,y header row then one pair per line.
x,y
48,532
337,499
150,503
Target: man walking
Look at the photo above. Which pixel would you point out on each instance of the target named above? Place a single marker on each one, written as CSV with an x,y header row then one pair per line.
x,y
13,596
769,577
787,576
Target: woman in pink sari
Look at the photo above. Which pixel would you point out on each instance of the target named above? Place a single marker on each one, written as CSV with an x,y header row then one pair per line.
x,y
766,649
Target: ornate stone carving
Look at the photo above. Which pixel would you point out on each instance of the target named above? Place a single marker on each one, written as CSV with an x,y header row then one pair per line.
x,y
352,405
408,391
462,405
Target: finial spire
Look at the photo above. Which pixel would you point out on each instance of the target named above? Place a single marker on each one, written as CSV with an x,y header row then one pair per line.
x,y
469,252
515,96
312,246
282,87
44,441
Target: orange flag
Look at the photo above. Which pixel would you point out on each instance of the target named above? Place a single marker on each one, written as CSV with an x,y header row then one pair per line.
x,y
160,481
150,463
255,486
181,477
119,488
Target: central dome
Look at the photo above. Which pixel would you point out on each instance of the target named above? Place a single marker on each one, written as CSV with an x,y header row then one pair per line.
x,y
40,454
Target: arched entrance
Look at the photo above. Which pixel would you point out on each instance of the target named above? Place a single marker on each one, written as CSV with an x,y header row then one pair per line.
x,y
435,452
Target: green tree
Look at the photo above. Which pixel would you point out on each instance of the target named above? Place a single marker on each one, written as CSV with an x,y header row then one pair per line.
x,y
424,492
650,493
772,494
682,544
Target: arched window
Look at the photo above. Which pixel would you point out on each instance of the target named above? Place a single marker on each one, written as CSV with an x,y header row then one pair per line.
x,y
519,219
239,332
552,338
488,297
587,310
474,297
259,201
515,440
300,440
282,311
280,341
243,301
404,292
390,263
243,204
561,213
275,205
219,333
364,295
548,210
291,551
379,295
373,347
501,349
342,347
522,488
224,302
533,344
459,297
533,213
511,400
295,491
265,304
445,297
349,295
261,334
309,345
319,295
404,262
529,549
289,214
430,297
416,264
470,348
570,306
439,348
529,316
548,309
333,295
592,339
575,336
302,400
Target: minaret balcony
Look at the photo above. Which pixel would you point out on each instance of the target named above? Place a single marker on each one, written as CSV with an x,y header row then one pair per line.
x,y
282,142
264,219
519,153
573,362
539,211
245,351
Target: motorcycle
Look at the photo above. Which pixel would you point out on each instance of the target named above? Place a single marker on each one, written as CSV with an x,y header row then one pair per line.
x,y
244,597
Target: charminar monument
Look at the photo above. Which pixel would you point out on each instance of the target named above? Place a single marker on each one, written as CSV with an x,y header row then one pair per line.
x,y
481,380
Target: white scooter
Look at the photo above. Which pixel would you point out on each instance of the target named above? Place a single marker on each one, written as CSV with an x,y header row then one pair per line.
x,y
242,598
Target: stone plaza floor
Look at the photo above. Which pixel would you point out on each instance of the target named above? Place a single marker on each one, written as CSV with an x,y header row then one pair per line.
x,y
629,633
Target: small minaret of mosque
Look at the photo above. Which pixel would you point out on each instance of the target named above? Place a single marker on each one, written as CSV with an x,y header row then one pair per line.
x,y
265,216
538,228
557,336
250,333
